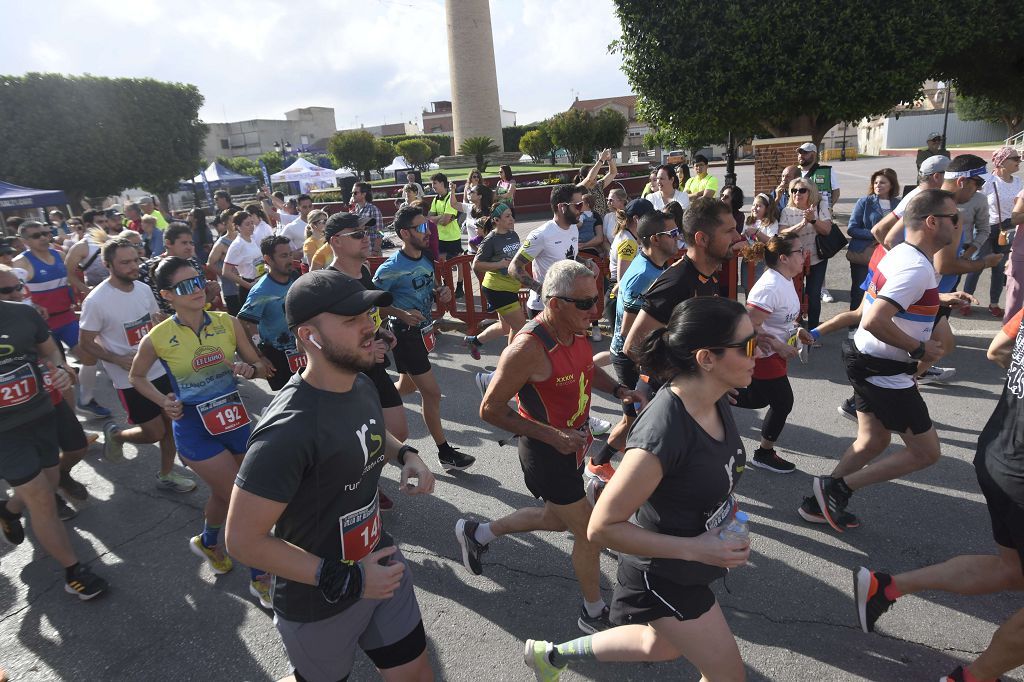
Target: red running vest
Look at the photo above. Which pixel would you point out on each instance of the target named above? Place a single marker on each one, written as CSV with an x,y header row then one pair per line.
x,y
563,399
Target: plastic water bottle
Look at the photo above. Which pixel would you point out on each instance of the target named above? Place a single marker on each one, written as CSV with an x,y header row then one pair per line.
x,y
736,529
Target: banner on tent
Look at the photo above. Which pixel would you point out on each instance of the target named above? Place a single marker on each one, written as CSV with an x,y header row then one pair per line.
x,y
206,188
266,175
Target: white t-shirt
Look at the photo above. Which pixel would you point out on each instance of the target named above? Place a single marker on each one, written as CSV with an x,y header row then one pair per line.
x,y
902,206
609,221
295,231
1007,194
544,247
906,278
624,247
885,204
120,319
246,256
262,231
776,295
659,202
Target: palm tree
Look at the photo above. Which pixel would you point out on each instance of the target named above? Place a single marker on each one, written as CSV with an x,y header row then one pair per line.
x,y
478,148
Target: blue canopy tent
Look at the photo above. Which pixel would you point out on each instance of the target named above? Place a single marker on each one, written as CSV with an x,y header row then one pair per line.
x,y
219,177
17,197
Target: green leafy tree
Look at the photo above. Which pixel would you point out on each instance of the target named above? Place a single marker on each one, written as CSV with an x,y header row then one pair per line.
x,y
510,135
1008,110
242,165
800,68
417,152
355,149
610,129
573,130
441,143
97,136
385,153
479,147
537,143
274,162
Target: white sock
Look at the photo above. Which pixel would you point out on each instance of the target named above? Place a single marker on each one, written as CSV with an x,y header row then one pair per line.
x,y
483,534
594,608
87,383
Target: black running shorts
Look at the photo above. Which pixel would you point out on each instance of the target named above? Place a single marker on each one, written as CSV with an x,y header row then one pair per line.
x,y
411,356
141,409
641,598
625,370
389,395
70,434
550,475
282,372
28,449
1007,514
899,409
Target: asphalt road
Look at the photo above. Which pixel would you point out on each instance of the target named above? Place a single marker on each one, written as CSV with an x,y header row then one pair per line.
x,y
167,617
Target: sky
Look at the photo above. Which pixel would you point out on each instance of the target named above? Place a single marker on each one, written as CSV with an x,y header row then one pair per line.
x,y
374,61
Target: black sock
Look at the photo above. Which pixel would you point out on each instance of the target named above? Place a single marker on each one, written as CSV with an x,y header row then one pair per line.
x,y
69,572
6,513
843,488
604,456
474,340
576,650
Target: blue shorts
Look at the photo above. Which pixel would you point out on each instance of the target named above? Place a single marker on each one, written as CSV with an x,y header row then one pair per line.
x,y
68,334
195,443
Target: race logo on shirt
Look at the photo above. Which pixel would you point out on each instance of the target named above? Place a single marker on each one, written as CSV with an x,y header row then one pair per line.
x,y
206,356
1015,373
136,329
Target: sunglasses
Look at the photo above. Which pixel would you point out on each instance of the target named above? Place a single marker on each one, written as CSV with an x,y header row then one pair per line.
x,y
749,345
955,217
359,234
799,190
10,290
674,232
577,205
188,286
422,228
37,235
580,303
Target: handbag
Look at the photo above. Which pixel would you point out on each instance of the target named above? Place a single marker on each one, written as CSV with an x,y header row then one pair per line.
x,y
830,244
862,257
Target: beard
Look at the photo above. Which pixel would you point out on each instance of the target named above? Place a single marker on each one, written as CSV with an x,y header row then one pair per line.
x,y
346,360
570,215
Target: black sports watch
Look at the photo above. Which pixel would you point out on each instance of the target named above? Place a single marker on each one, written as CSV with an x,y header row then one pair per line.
x,y
401,453
918,352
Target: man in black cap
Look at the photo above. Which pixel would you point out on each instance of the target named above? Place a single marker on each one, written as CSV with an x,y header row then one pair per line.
x,y
305,504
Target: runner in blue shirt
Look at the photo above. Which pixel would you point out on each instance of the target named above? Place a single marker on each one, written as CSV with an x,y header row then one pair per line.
x,y
263,312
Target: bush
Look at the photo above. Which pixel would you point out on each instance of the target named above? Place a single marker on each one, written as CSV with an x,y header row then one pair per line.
x,y
443,142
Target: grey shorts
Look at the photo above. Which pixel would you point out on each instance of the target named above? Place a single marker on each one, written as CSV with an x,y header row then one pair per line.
x,y
389,631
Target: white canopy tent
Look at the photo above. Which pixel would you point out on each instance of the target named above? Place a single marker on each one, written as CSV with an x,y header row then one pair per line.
x,y
307,174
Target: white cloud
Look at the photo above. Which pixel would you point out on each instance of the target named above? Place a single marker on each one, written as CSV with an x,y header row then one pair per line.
x,y
373,60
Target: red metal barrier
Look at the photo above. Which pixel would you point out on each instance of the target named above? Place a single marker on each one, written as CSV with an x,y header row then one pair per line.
x,y
472,308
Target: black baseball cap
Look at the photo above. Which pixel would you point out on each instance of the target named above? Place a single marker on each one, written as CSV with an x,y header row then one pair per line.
x,y
345,221
329,291
638,208
7,246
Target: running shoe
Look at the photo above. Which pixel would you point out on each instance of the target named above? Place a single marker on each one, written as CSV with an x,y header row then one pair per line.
x,y
599,427
826,296
996,311
113,449
810,511
957,675
91,438
481,379
10,526
383,501
175,482
593,489
537,655
590,625
869,596
832,495
595,333
220,563
603,472
472,345
936,374
93,408
453,460
848,409
85,584
260,588
458,290
770,460
65,512
71,487
472,551
966,310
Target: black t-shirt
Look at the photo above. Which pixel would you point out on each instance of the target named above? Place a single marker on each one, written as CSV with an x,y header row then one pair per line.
x,y
699,475
1001,444
677,284
22,396
321,453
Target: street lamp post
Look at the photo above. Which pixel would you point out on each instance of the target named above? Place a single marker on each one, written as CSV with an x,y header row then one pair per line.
x,y
283,148
730,163
947,90
842,154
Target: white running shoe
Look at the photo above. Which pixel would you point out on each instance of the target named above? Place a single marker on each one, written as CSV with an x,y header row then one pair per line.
x,y
936,374
595,333
599,427
826,296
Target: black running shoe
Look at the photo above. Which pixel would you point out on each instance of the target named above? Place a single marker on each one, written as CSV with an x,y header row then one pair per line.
x,y
591,625
869,596
832,495
72,488
85,584
65,512
810,511
10,525
848,408
454,460
472,551
770,460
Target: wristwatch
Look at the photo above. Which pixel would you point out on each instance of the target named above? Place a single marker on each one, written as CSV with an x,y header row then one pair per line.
x,y
918,352
401,453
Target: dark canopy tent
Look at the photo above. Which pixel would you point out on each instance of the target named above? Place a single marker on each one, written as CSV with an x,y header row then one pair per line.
x,y
14,197
219,177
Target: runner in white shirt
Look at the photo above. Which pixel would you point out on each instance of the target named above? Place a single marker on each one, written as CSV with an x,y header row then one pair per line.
x,y
558,239
243,263
116,315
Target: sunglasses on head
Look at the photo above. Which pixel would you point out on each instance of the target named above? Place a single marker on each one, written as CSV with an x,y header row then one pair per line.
x,y
799,190
10,290
580,303
188,286
749,345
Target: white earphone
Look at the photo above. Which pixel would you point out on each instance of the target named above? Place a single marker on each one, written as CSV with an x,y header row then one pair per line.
x,y
312,340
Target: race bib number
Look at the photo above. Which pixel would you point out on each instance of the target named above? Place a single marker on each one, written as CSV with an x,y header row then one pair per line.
x,y
722,514
224,414
375,316
581,454
134,331
260,266
360,531
18,387
296,360
429,338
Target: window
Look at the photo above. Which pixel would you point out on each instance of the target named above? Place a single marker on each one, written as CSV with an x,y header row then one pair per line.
x,y
224,144
304,140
